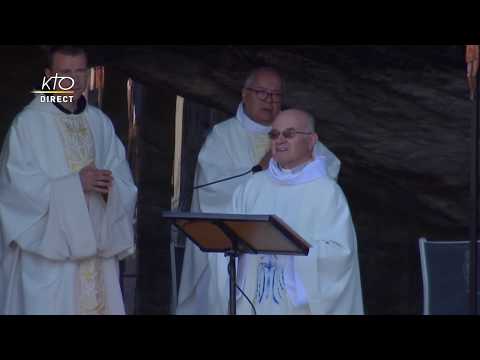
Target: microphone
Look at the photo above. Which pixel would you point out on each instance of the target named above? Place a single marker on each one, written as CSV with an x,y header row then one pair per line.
x,y
253,170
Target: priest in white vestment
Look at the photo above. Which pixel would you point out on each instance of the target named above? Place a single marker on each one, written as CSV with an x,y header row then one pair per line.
x,y
233,147
297,188
67,202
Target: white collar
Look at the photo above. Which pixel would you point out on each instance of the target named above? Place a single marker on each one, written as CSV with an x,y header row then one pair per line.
x,y
295,170
302,174
249,125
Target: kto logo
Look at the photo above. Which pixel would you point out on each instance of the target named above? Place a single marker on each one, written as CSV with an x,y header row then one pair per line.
x,y
64,83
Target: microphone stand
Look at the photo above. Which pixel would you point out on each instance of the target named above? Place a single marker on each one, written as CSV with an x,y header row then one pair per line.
x,y
254,170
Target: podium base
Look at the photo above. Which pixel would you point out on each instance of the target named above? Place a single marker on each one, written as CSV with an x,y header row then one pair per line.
x,y
232,273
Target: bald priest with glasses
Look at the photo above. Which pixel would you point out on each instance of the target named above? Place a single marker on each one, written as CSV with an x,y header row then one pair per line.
x,y
233,147
297,188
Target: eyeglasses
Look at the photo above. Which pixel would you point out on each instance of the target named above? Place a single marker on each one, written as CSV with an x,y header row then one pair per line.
x,y
289,133
263,95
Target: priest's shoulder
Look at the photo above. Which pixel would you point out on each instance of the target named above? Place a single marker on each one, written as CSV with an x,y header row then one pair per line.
x,y
327,183
254,183
28,116
225,127
220,133
258,179
96,114
328,187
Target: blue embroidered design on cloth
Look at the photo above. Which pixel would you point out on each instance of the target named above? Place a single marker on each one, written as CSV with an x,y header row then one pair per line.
x,y
270,280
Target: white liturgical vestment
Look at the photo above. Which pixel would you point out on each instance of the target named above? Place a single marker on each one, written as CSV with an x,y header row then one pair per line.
x,y
60,247
327,281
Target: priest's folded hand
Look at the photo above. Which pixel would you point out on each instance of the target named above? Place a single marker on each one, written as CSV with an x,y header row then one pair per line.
x,y
94,179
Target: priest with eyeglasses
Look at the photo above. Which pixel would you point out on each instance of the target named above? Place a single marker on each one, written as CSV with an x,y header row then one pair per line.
x,y
296,187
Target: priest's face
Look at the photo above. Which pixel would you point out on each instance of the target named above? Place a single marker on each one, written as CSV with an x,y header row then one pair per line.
x,y
293,139
262,98
74,66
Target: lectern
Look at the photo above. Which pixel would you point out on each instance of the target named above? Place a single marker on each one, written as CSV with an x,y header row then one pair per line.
x,y
234,235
